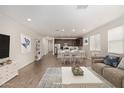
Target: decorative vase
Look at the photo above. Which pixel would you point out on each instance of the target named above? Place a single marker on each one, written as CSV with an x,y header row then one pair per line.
x,y
9,61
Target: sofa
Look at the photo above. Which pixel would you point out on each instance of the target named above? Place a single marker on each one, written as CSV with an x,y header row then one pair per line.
x,y
113,74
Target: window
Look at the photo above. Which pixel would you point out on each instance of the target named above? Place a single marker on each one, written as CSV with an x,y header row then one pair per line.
x,y
95,44
116,40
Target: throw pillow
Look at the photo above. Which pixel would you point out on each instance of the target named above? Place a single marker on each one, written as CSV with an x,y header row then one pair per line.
x,y
121,64
111,60
115,61
106,60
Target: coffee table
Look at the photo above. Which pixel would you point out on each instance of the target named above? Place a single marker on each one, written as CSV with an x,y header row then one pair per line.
x,y
88,80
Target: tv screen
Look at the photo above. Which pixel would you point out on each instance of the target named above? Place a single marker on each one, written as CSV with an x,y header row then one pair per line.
x,y
4,46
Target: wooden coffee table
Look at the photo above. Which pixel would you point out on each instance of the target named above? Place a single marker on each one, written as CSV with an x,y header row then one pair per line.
x,y
88,80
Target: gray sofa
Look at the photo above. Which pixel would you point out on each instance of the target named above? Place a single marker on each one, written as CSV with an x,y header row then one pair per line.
x,y
113,75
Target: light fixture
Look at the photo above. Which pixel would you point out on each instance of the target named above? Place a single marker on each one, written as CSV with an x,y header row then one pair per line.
x,y
62,30
73,30
29,19
83,30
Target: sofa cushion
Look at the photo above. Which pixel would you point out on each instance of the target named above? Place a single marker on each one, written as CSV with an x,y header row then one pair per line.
x,y
98,67
121,64
114,75
111,60
97,60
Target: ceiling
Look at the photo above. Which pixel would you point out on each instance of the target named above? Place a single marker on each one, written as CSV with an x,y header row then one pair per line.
x,y
68,20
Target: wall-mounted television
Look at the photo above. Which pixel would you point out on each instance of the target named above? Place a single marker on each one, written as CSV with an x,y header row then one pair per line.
x,y
4,46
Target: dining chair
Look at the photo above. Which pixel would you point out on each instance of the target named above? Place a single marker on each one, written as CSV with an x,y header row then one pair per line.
x,y
74,54
66,57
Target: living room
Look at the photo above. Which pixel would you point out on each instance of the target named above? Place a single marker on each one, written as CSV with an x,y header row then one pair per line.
x,y
62,46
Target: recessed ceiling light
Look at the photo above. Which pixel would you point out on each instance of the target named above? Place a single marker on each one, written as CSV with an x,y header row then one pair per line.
x,y
29,19
63,30
83,30
73,30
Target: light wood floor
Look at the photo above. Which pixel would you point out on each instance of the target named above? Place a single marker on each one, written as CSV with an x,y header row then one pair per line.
x,y
30,75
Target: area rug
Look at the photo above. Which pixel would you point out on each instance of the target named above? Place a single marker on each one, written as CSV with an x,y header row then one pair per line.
x,y
53,79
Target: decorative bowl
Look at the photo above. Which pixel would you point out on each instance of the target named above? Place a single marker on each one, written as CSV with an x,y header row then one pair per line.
x,y
77,71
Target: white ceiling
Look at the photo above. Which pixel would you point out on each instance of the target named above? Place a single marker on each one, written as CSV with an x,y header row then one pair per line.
x,y
46,19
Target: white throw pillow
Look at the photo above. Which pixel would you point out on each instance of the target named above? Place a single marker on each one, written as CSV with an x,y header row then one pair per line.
x,y
121,64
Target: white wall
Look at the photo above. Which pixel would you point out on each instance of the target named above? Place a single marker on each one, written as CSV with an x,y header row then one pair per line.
x,y
103,31
14,29
51,45
45,45
48,44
